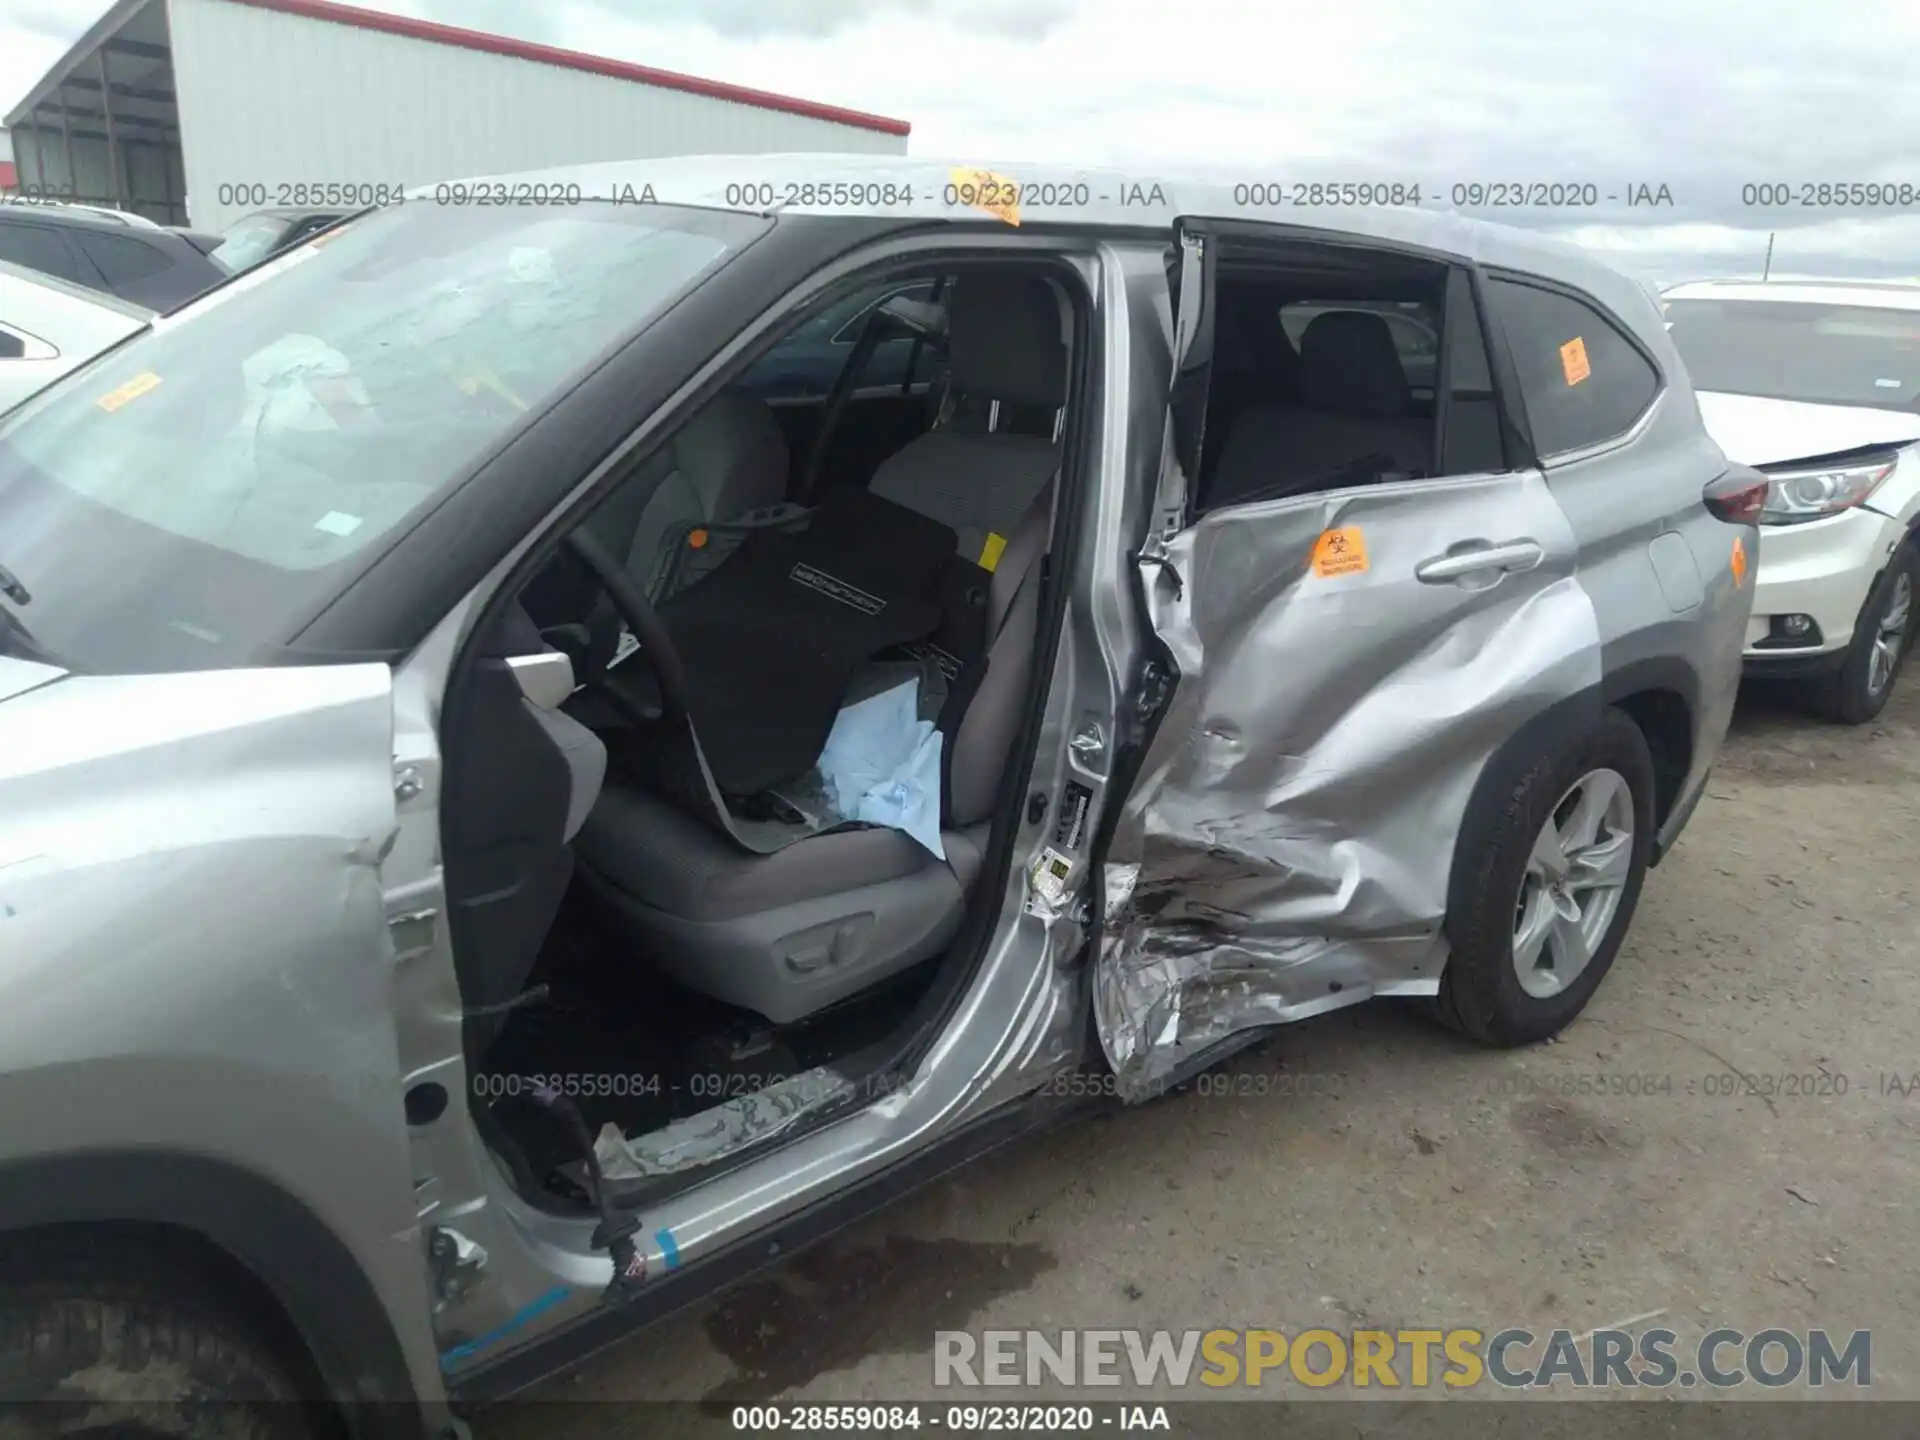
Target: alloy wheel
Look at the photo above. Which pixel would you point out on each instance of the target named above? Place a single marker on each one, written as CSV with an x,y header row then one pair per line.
x,y
1890,636
1576,874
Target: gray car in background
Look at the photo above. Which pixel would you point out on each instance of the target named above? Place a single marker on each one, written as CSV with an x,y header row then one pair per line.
x,y
501,834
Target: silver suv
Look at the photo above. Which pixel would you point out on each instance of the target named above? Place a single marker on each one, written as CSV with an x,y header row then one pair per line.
x,y
502,833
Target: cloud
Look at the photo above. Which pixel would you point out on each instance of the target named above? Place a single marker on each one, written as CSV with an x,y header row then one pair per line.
x,y
756,19
1615,94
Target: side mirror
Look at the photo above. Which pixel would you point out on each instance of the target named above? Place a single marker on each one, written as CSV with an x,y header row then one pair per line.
x,y
546,679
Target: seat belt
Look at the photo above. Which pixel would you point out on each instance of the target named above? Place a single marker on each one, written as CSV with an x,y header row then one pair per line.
x,y
967,684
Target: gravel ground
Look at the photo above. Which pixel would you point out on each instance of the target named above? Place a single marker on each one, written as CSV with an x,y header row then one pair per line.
x,y
1370,1171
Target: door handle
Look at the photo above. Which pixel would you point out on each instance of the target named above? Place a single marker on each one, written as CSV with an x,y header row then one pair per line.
x,y
1514,555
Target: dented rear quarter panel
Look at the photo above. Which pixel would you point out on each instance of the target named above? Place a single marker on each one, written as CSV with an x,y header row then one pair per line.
x,y
194,956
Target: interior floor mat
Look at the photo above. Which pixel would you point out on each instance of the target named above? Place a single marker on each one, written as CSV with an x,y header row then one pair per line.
x,y
632,1049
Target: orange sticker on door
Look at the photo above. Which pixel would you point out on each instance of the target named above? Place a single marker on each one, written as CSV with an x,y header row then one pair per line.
x,y
984,190
132,390
1340,552
1573,360
1739,562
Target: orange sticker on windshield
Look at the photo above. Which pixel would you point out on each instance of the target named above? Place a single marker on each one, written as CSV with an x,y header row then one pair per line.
x,y
984,190
1573,360
132,390
1739,562
1340,552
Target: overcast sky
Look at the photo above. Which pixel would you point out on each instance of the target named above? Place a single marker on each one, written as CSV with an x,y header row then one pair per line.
x,y
1702,96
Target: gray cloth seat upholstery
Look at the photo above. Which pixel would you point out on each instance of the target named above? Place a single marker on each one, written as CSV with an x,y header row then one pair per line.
x,y
1355,403
788,934
730,459
1004,343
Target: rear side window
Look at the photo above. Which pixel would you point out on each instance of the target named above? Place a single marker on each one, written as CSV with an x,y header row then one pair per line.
x,y
37,248
12,347
1582,381
122,259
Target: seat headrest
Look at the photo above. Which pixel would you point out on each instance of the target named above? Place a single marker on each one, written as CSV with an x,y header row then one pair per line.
x,y
1348,364
1003,338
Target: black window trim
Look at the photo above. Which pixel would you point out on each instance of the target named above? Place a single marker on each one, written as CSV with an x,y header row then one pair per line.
x,y
1641,420
850,331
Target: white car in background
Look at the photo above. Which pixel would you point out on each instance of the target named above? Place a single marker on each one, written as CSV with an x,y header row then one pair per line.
x,y
1817,383
48,327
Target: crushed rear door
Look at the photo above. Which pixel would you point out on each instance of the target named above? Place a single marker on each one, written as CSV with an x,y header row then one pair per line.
x,y
1342,667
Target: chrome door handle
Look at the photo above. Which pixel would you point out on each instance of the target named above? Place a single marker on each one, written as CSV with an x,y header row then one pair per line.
x,y
1514,555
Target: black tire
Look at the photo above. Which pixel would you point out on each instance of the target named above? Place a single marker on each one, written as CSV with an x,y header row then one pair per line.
x,y
105,1343
1848,697
1480,992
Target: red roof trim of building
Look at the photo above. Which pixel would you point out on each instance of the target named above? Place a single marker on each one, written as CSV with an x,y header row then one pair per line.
x,y
574,60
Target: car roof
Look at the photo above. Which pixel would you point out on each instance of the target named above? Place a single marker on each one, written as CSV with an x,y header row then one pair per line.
x,y
839,184
12,275
1871,294
82,218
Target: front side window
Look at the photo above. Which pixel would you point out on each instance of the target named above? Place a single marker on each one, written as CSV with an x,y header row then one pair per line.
x,y
1582,382
1792,350
181,502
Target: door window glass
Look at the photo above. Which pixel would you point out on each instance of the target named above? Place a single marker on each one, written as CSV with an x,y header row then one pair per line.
x,y
122,259
1582,381
37,248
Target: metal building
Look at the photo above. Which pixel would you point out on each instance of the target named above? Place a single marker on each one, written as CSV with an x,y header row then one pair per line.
x,y
199,111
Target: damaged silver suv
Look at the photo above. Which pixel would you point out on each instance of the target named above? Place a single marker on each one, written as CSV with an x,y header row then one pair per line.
x,y
504,828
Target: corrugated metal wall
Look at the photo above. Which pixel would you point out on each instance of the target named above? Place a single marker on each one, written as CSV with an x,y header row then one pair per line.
x,y
268,99
152,172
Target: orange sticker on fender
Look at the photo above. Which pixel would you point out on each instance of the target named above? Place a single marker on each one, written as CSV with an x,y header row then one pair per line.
x,y
132,390
984,190
1340,552
1573,360
1739,562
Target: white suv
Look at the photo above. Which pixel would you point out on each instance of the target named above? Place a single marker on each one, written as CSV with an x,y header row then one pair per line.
x,y
1817,383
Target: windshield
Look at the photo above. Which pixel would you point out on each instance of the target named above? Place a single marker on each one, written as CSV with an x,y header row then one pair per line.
x,y
1793,350
250,241
187,499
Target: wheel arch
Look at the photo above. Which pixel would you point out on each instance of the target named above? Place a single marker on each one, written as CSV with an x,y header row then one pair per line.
x,y
1660,695
206,1217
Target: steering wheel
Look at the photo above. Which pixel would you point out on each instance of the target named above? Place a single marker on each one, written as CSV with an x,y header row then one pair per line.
x,y
630,602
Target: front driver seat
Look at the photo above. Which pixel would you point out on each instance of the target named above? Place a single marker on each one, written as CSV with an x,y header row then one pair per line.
x,y
788,934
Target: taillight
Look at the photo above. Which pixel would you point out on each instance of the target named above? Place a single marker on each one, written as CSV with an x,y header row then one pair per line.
x,y
1738,496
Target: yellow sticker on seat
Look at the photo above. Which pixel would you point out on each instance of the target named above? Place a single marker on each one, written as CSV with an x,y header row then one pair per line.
x,y
991,552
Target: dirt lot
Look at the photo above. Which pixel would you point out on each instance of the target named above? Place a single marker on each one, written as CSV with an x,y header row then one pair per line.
x,y
1430,1184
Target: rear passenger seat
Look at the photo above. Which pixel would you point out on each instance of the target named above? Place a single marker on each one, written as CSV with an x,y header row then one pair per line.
x,y
1355,405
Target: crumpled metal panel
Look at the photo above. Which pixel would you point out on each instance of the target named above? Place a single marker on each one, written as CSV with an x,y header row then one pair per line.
x,y
1287,845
